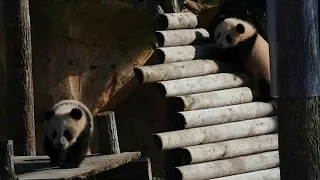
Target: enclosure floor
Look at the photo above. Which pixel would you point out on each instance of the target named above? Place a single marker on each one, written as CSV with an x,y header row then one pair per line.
x,y
37,167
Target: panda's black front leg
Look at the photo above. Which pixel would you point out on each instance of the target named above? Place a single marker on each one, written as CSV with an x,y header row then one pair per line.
x,y
56,156
75,155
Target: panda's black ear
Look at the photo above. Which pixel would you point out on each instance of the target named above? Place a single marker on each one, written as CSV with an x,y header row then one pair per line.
x,y
240,28
49,115
76,114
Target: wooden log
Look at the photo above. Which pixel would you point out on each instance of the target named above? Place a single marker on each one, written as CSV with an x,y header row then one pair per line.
x,y
6,161
268,174
201,84
107,127
19,76
228,167
136,169
216,133
229,149
214,99
182,37
177,21
185,53
162,72
220,115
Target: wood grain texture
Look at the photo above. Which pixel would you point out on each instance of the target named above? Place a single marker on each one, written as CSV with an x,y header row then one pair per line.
x,y
20,98
36,167
6,161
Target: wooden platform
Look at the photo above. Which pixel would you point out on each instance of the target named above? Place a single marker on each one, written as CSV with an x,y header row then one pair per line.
x,y
37,167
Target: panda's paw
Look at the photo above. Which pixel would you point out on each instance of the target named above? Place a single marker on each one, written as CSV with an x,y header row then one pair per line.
x,y
68,166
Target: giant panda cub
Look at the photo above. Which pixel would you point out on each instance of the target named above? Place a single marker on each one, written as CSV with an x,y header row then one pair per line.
x,y
68,128
240,44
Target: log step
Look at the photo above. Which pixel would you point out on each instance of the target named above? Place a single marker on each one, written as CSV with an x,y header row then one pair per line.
x,y
229,149
202,84
220,115
178,70
183,37
214,99
216,133
227,167
185,53
177,21
268,174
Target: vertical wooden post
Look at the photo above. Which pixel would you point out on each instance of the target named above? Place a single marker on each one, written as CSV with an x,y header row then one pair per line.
x,y
295,74
19,76
6,160
107,126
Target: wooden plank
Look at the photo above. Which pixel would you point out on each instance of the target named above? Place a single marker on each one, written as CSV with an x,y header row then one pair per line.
x,y
92,165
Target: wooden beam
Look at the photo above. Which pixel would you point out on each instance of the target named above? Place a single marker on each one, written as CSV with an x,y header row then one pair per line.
x,y
136,169
268,174
20,100
107,128
295,73
169,21
6,161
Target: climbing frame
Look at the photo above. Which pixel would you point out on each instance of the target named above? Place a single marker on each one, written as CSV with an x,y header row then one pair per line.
x,y
214,129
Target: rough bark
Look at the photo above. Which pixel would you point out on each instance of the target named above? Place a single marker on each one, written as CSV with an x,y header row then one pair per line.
x,y
178,70
182,37
19,76
184,53
202,84
220,115
177,21
6,161
228,167
229,149
214,99
216,133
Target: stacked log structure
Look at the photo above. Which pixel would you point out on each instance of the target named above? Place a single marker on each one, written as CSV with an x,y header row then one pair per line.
x,y
214,128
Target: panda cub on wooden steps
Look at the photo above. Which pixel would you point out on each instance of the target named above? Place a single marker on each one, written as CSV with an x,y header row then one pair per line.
x,y
241,45
68,128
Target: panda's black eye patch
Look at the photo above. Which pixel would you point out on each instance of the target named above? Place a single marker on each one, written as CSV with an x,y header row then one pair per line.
x,y
54,134
67,135
228,38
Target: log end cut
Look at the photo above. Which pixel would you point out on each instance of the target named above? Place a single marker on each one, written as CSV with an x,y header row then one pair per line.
x,y
160,38
163,22
177,174
180,122
158,141
139,74
160,54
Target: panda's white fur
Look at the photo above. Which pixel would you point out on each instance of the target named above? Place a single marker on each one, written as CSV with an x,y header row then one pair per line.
x,y
240,41
59,122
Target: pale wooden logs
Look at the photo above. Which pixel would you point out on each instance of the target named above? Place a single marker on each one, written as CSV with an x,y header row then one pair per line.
x,y
201,84
185,53
182,37
229,149
7,171
268,174
228,167
214,99
162,72
216,133
220,115
177,21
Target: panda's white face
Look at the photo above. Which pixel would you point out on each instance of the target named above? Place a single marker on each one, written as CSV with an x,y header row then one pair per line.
x,y
64,125
231,32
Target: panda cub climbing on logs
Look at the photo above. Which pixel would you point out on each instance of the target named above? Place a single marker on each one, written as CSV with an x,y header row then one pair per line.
x,y
68,128
240,44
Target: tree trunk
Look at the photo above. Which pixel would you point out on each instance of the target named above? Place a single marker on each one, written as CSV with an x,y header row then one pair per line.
x,y
295,73
19,76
